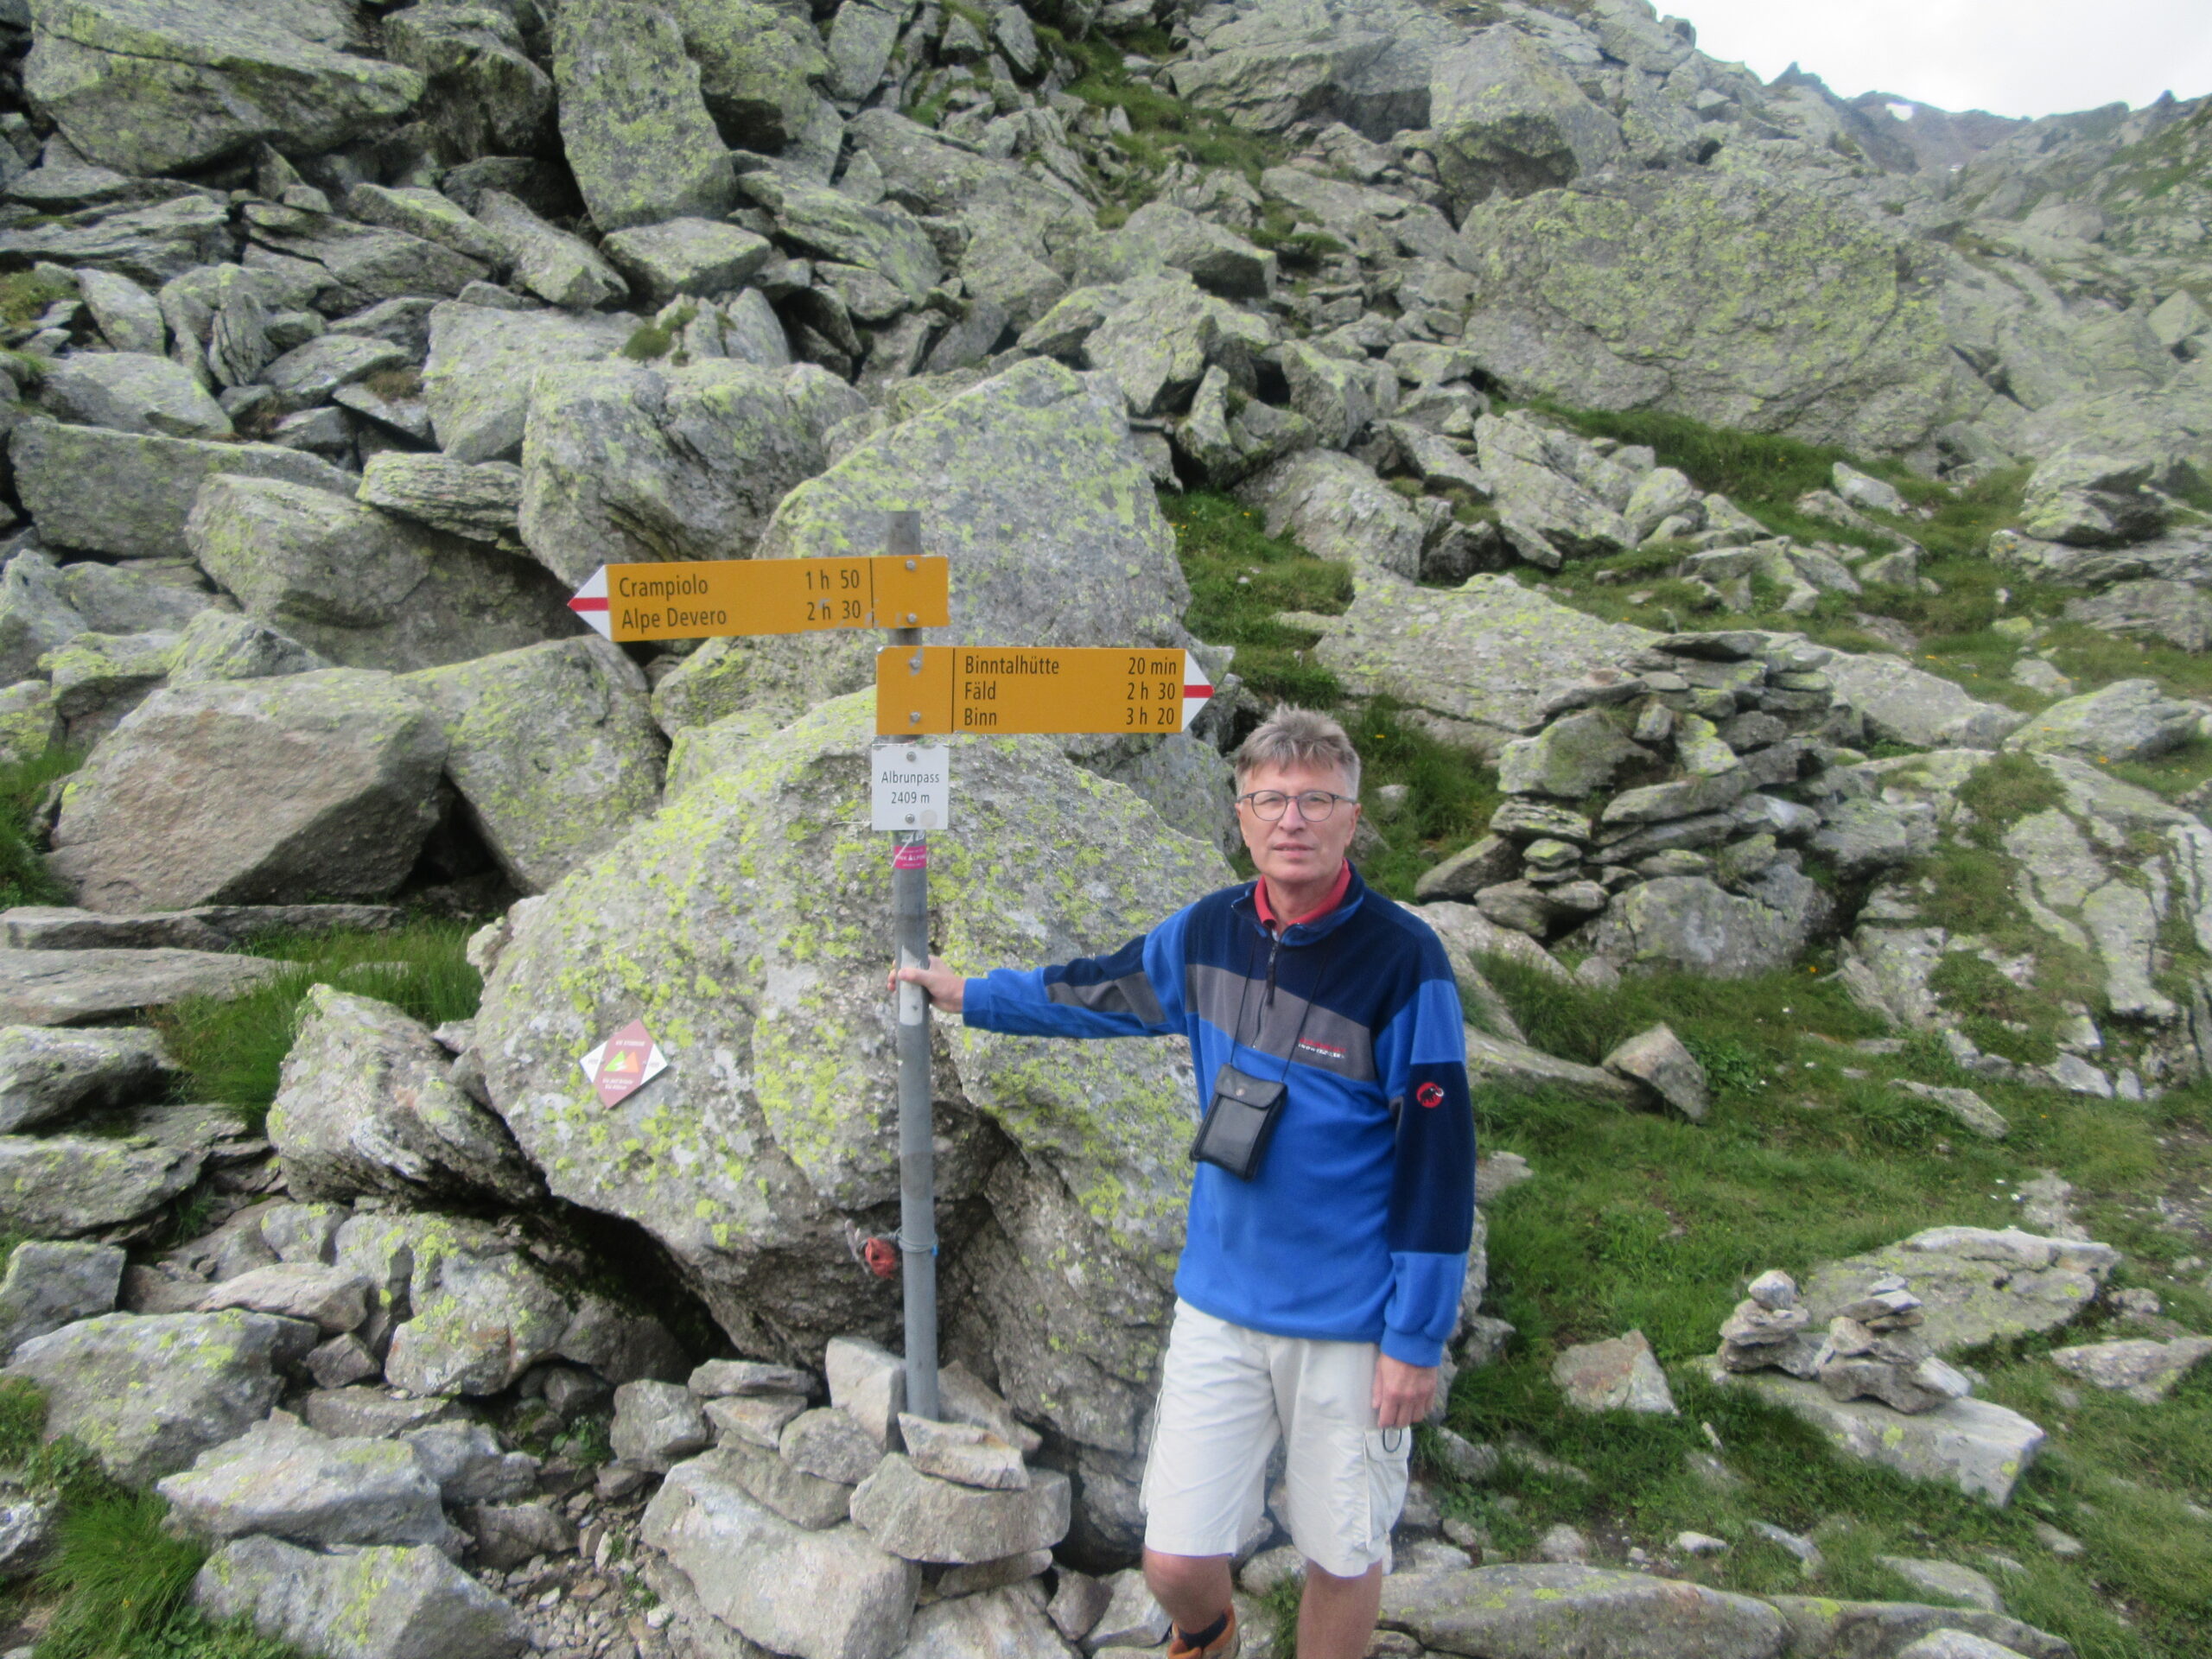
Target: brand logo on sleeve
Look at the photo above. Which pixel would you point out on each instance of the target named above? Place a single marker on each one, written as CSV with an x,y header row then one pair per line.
x,y
1430,1094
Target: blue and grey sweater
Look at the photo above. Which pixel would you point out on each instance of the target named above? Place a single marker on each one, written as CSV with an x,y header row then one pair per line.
x,y
1356,1227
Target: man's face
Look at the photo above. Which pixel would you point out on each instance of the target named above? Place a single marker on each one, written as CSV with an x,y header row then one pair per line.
x,y
1291,850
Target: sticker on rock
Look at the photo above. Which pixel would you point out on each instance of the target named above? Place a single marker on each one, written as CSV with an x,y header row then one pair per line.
x,y
624,1064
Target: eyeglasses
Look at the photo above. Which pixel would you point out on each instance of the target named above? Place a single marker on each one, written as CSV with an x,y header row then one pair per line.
x,y
1314,805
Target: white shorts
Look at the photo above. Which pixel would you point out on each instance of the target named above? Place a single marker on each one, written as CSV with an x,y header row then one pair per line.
x,y
1226,1393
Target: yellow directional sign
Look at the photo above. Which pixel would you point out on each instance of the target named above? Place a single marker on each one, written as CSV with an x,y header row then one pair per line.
x,y
1002,688
733,596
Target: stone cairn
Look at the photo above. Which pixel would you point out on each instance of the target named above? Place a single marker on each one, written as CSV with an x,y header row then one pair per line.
x,y
1703,730
851,1527
1871,1348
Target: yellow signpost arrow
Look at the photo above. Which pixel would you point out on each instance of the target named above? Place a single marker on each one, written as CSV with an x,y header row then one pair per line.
x,y
715,597
996,689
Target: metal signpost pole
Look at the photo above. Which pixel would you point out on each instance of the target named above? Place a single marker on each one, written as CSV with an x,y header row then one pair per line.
x,y
910,904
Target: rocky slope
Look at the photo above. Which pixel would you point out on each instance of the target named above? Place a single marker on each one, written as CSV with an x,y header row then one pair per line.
x,y
343,340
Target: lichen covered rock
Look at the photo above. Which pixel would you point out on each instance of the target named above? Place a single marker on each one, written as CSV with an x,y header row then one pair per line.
x,y
743,925
553,748
366,1105
271,790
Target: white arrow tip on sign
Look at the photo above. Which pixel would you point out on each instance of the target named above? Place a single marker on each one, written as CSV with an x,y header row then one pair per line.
x,y
590,604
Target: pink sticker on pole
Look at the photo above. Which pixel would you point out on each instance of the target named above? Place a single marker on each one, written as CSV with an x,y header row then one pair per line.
x,y
915,855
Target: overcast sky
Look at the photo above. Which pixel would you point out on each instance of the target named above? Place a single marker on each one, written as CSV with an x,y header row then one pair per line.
x,y
2010,57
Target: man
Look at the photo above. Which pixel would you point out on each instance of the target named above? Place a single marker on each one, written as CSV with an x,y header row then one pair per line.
x,y
1333,1201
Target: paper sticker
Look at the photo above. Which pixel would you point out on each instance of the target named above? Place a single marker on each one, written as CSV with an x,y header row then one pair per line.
x,y
624,1064
912,788
913,856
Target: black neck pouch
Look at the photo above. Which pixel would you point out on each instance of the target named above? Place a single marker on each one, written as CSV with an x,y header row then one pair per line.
x,y
1239,1121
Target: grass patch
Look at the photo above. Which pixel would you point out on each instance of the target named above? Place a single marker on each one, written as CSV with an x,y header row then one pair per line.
x,y
1639,1220
1448,803
233,1051
24,879
395,386
2004,789
651,341
25,295
1239,578
1163,128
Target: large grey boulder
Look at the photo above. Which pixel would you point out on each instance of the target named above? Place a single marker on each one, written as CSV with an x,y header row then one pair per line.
x,y
330,1298
1557,497
1157,337
773,1124
129,318
2091,501
384,1602
553,748
1507,119
424,214
557,266
2147,1370
1570,758
481,364
818,1595
1000,1621
861,36
885,239
1335,507
1631,292
1980,1447
284,1480
129,495
158,86
1477,660
364,589
366,1105
482,502
686,256
919,1517
131,392
48,1075
224,646
1686,923
272,791
119,598
1975,1284
1909,705
53,1187
479,1311
2128,719
98,986
361,265
644,465
1825,1625
49,1285
486,98
146,1394
1030,486
1523,1612
1161,236
756,66
36,616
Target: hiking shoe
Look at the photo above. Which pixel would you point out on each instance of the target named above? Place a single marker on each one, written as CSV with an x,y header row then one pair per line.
x,y
1224,1646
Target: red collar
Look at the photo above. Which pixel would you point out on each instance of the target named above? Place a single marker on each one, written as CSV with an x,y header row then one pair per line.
x,y
1336,897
